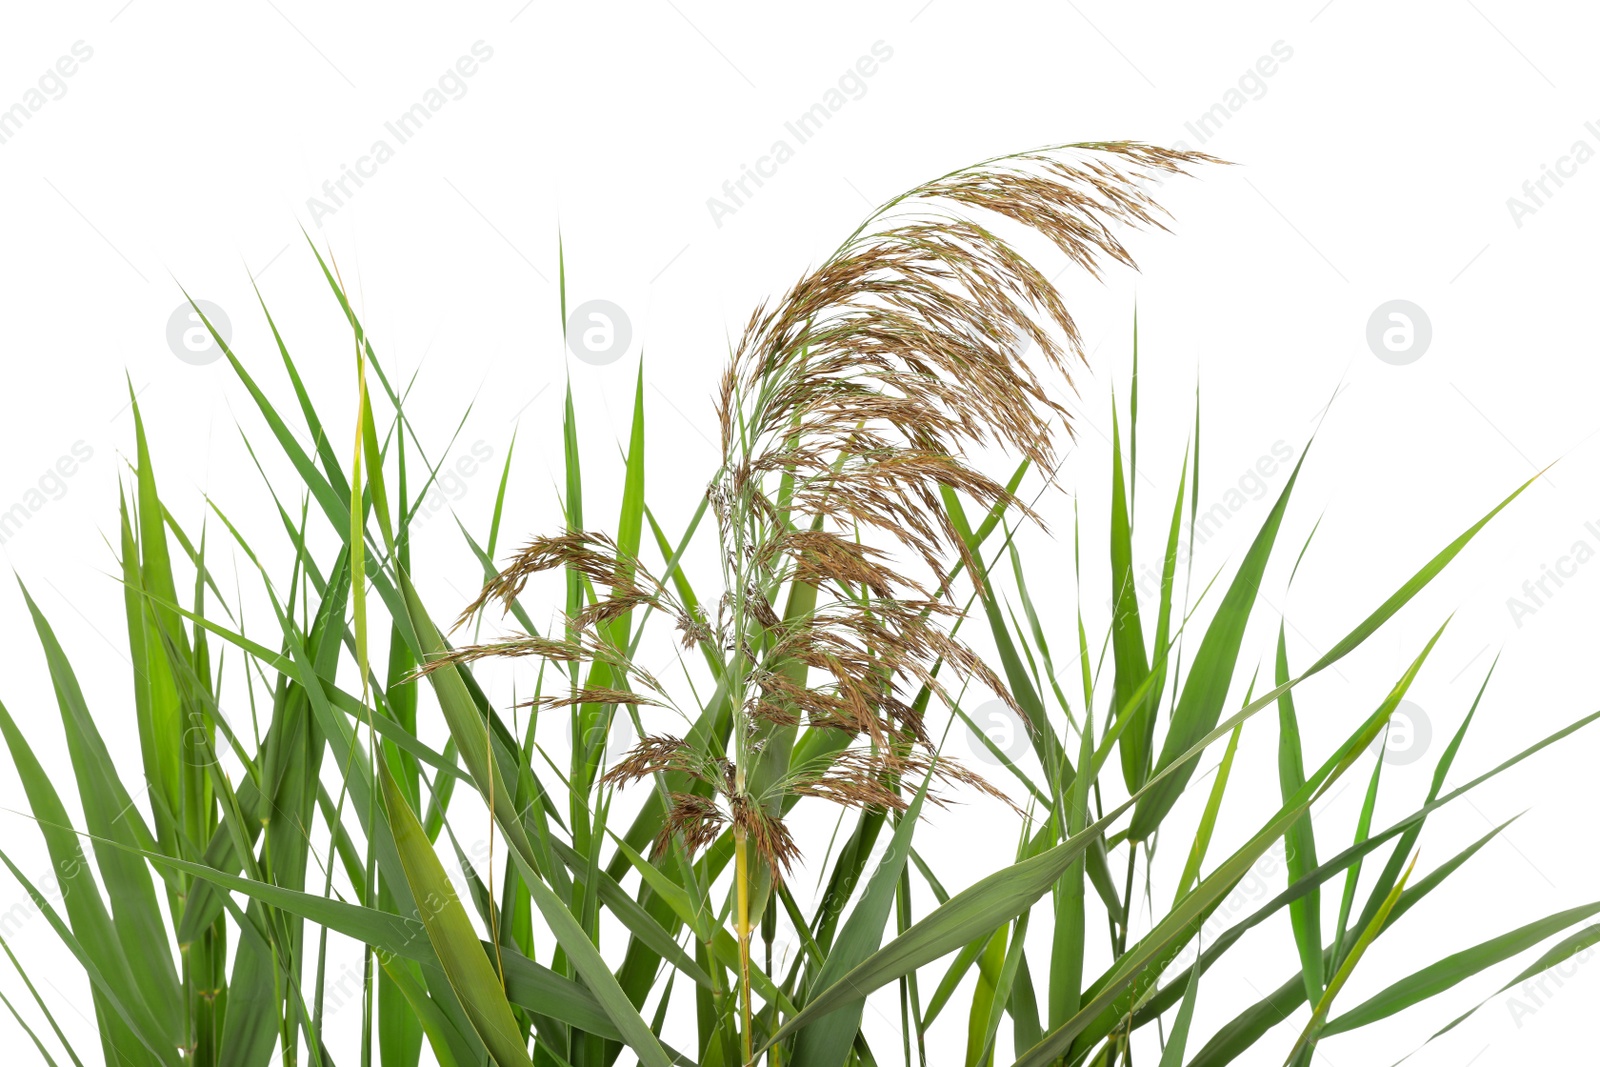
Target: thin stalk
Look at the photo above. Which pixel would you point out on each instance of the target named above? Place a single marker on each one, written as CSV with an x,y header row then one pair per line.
x,y
1122,945
1127,901
742,882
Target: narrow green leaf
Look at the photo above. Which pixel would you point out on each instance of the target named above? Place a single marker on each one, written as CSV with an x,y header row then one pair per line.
x,y
1178,1040
1456,968
1127,634
465,721
1208,818
472,976
1314,1027
1559,953
1300,849
1212,672
826,1041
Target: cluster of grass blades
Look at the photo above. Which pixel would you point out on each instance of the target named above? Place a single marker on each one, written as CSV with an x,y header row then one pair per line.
x,y
855,540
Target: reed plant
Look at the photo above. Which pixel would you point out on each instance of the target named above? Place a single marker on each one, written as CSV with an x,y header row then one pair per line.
x,y
858,527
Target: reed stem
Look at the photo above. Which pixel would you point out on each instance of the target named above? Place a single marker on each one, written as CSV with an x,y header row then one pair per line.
x,y
742,880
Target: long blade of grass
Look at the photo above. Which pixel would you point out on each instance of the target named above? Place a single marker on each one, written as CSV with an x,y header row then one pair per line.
x,y
1300,849
1127,635
472,975
465,720
1178,1040
1246,1028
827,1040
1314,1026
1557,954
1208,817
1142,964
1457,967
1210,675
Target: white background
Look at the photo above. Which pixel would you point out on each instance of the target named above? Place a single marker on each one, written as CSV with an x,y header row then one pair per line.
x,y
1375,163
